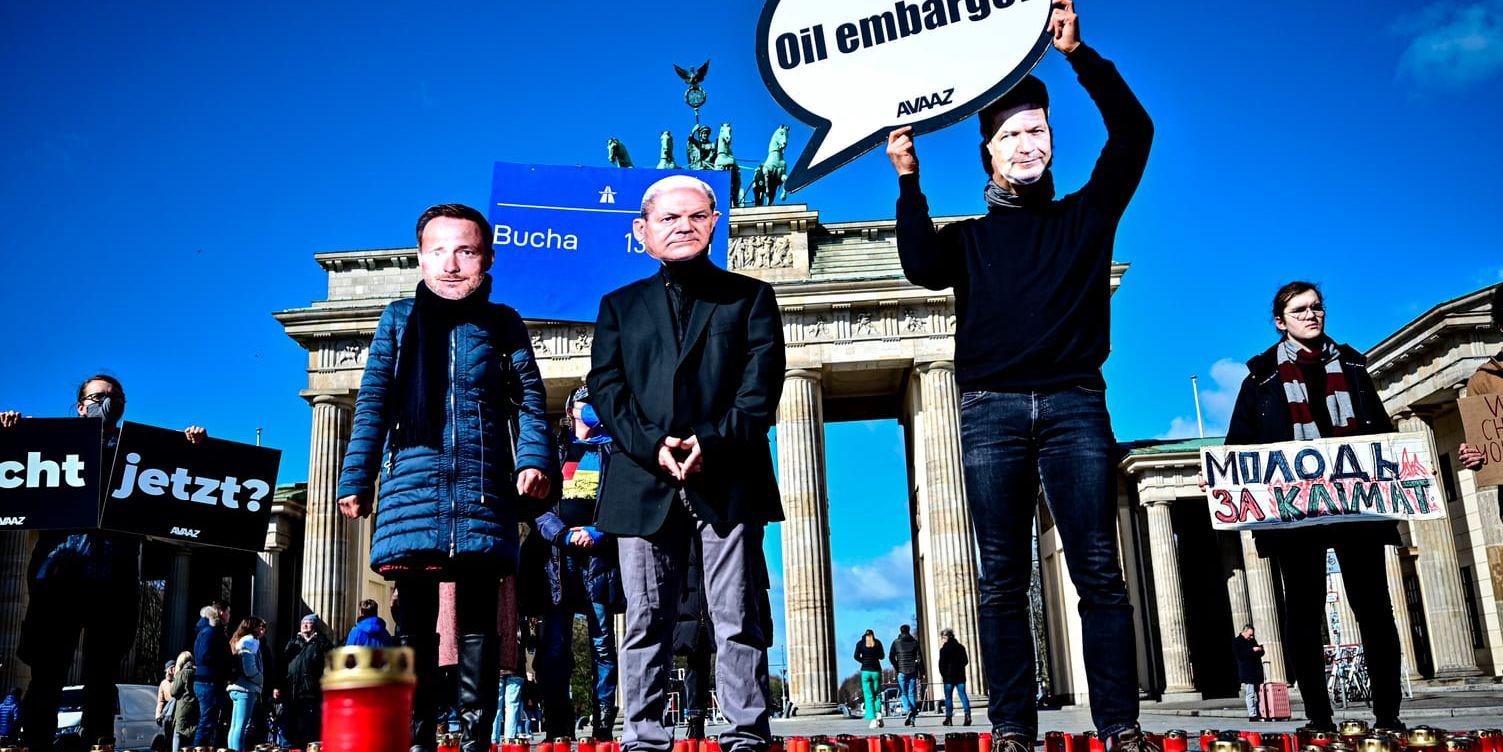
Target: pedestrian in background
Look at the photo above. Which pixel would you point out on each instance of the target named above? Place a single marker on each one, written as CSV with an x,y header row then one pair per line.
x,y
165,702
952,662
907,658
370,629
245,688
185,711
302,703
869,653
1249,668
212,657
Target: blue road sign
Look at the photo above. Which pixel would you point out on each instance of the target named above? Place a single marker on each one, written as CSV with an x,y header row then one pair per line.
x,y
564,237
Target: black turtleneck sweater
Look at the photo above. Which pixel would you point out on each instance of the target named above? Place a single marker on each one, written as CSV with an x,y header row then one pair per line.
x,y
681,282
1033,283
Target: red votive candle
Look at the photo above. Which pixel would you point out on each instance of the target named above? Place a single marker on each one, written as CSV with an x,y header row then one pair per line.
x,y
367,699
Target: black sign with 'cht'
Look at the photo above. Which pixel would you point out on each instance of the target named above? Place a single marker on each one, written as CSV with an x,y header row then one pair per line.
x,y
49,473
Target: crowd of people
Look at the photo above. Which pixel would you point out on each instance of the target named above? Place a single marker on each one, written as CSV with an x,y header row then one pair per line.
x,y
497,533
907,660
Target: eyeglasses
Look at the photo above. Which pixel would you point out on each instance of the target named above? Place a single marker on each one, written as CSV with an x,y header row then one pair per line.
x,y
97,397
1306,312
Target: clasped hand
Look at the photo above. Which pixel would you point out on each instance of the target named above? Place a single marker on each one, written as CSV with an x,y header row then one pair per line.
x,y
669,452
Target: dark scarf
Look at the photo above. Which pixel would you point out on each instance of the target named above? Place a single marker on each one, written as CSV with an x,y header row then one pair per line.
x,y
1041,192
1337,397
423,361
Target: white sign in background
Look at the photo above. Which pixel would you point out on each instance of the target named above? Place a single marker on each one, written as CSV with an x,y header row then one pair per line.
x,y
856,69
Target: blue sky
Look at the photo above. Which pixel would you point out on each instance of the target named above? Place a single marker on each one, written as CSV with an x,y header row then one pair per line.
x,y
182,162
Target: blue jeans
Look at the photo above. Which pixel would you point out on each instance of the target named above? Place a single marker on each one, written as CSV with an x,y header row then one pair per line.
x,y
243,706
211,701
908,692
1012,442
508,708
965,702
555,657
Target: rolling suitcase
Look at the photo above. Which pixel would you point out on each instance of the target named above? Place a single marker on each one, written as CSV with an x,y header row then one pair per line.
x,y
1273,701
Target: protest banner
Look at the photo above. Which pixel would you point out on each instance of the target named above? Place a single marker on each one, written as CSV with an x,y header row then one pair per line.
x,y
1482,418
856,69
215,492
49,473
1302,483
563,235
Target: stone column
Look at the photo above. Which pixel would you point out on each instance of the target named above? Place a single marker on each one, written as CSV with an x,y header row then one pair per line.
x,y
950,539
1395,574
809,607
15,552
1264,605
1173,640
180,612
1440,582
1236,579
264,598
326,539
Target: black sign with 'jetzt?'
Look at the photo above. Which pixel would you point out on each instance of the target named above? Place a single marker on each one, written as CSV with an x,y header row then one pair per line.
x,y
216,492
49,473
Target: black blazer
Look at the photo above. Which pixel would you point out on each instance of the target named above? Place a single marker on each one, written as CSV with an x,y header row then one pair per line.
x,y
722,386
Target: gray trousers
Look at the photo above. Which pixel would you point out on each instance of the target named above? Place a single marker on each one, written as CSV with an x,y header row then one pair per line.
x,y
734,570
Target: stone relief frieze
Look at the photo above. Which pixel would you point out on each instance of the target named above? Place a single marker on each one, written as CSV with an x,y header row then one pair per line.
x,y
848,323
760,252
345,353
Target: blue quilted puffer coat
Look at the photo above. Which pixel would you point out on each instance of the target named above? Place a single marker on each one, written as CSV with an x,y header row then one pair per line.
x,y
455,507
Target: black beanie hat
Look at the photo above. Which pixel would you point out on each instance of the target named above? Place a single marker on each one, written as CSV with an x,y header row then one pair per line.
x,y
1029,91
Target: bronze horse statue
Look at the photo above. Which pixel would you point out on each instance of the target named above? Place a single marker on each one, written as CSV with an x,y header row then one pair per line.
x,y
725,160
775,167
665,151
615,151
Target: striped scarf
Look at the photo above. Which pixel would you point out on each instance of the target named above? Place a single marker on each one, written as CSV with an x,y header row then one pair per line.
x,y
1338,399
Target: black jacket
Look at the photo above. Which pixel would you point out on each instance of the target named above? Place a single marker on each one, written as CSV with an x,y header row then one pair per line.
x,y
906,655
870,657
722,386
1249,663
1261,416
693,631
305,665
211,653
952,662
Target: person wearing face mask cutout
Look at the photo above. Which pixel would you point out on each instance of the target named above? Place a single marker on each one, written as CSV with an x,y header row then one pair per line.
x,y
582,577
104,564
1032,282
450,424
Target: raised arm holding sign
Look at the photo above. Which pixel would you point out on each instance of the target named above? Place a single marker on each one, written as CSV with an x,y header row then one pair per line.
x,y
65,563
1486,447
1032,282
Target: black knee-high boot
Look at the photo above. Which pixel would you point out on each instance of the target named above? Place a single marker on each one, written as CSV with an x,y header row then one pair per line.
x,y
479,680
424,702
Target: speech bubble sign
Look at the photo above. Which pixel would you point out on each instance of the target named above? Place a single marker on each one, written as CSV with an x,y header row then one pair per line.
x,y
856,69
